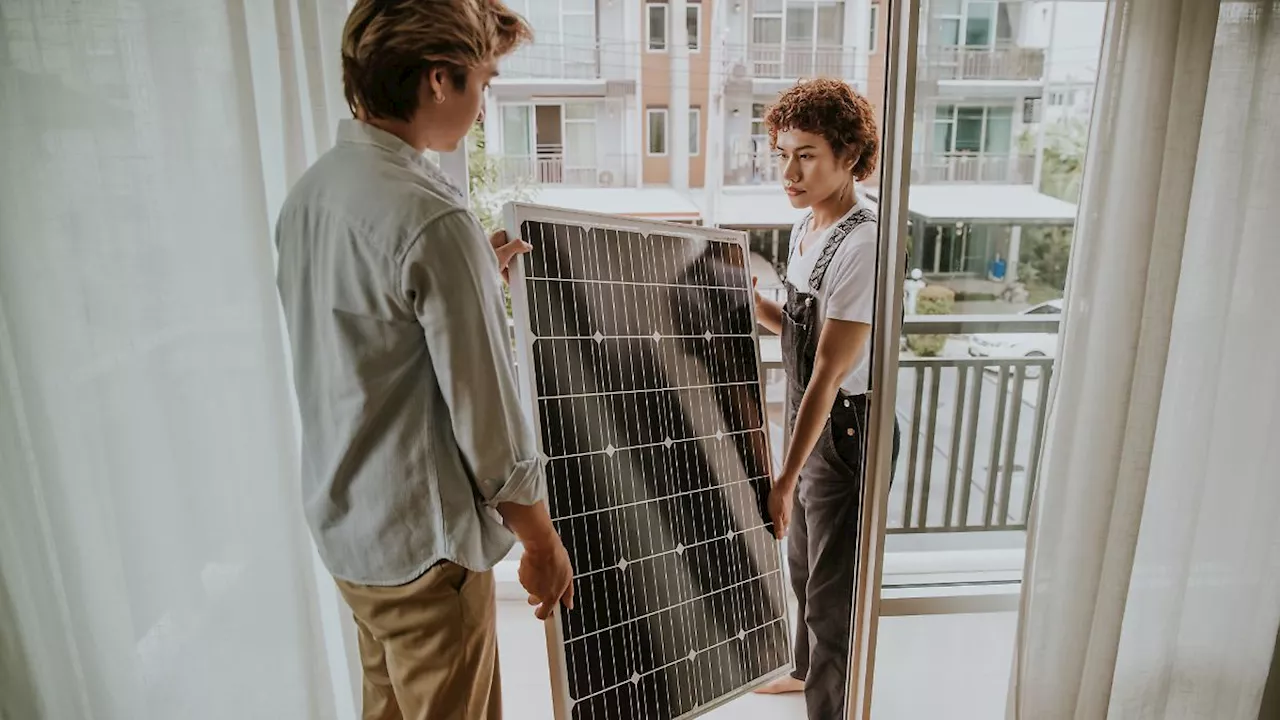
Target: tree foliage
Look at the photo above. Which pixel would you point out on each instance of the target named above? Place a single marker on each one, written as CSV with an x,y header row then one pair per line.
x,y
488,191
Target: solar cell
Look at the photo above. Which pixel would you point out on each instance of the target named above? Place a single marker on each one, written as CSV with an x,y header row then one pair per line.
x,y
639,365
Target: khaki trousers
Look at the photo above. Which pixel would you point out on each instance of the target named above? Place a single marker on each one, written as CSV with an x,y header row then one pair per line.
x,y
430,648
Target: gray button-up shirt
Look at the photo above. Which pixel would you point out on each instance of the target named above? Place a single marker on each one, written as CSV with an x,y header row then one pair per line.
x,y
411,427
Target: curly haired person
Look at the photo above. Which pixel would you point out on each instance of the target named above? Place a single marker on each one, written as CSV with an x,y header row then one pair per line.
x,y
825,137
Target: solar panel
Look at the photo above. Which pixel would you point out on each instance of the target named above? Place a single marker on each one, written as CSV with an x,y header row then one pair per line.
x,y
639,365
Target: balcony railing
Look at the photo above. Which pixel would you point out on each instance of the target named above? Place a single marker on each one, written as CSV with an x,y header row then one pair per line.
x,y
972,428
1002,63
561,60
777,62
972,168
752,168
552,169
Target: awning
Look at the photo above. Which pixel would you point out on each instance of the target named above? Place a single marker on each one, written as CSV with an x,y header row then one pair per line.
x,y
654,203
987,205
756,207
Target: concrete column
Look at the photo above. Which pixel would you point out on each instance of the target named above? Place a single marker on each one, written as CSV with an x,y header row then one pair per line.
x,y
857,28
1015,249
678,112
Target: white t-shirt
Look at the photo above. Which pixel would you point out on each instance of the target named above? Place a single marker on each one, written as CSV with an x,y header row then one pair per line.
x,y
849,288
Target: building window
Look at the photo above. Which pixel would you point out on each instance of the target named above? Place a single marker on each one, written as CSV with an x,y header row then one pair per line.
x,y
797,39
693,21
973,129
758,112
874,22
549,142
656,17
695,126
657,134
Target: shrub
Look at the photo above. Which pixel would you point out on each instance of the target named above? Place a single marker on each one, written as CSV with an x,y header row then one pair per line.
x,y
933,300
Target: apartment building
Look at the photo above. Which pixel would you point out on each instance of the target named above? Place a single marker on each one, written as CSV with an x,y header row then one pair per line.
x,y
980,92
584,115
655,108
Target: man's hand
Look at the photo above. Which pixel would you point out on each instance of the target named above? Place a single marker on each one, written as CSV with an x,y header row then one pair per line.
x,y
507,250
545,573
780,499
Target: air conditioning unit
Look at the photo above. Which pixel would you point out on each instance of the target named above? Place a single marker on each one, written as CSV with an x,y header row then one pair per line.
x,y
605,179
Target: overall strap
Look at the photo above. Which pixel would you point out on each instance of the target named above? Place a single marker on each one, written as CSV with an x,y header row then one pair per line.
x,y
838,235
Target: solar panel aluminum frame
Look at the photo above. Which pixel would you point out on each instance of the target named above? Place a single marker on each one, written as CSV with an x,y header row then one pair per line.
x,y
514,216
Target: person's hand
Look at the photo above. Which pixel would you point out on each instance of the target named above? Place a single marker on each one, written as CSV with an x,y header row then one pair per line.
x,y
758,297
545,573
780,499
507,250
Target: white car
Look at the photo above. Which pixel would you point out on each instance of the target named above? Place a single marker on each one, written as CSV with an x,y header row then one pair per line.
x,y
1019,344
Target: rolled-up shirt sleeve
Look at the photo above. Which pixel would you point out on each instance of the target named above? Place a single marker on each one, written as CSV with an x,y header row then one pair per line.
x,y
450,276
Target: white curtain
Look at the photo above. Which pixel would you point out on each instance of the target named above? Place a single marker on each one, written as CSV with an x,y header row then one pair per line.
x,y
1153,582
153,561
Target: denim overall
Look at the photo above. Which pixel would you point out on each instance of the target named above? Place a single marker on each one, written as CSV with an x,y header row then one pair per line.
x,y
823,537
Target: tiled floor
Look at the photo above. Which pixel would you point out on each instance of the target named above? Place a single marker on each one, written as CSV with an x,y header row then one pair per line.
x,y
944,667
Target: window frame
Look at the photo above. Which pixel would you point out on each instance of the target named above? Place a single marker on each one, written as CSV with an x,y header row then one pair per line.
x,y
695,38
649,113
873,20
649,7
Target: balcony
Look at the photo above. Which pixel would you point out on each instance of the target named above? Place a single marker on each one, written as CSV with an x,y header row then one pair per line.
x,y
558,61
1013,169
972,423
984,64
552,169
776,62
749,161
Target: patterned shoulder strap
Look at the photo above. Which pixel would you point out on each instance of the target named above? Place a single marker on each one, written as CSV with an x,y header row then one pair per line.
x,y
833,243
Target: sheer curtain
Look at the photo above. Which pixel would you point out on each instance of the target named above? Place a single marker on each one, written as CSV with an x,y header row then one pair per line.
x,y
1153,584
153,561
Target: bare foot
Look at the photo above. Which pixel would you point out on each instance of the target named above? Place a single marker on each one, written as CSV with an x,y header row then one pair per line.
x,y
781,686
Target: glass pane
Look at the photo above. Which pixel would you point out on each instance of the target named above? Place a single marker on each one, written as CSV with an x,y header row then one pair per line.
x,y
580,144
1004,26
657,132
693,23
657,27
579,30
969,129
830,25
580,111
942,136
999,139
949,33
766,31
515,131
694,127
763,6
978,29
799,25
946,7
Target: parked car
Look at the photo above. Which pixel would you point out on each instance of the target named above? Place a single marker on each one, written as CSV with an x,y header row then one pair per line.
x,y
1029,345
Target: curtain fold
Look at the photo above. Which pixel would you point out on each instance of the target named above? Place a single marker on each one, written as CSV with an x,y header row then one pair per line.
x,y
1152,588
153,559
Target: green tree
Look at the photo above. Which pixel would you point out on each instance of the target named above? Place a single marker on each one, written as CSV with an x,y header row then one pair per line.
x,y
488,192
1063,166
